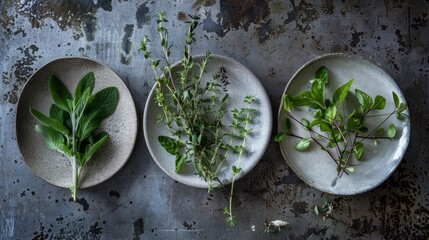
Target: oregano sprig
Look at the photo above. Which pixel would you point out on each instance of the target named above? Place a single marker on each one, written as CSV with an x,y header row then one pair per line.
x,y
71,125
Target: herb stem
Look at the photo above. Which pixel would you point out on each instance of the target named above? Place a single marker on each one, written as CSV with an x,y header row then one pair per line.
x,y
375,129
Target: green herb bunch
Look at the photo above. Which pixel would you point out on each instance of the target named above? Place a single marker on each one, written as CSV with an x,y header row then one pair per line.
x,y
71,125
341,134
194,111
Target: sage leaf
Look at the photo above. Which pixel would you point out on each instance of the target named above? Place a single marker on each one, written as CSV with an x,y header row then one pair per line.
x,y
341,93
87,82
93,149
104,102
59,92
50,122
171,145
54,139
358,150
391,131
57,113
303,144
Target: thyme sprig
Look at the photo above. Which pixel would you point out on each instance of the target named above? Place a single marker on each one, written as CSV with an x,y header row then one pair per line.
x,y
194,111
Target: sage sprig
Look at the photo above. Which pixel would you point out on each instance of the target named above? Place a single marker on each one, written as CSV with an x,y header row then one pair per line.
x,y
194,112
71,125
339,134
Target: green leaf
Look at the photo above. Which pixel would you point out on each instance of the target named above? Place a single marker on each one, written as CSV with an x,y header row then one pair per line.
x,y
104,102
287,103
350,169
353,123
87,82
54,139
379,132
318,114
235,170
322,74
50,122
391,131
379,103
395,99
341,93
59,93
180,160
100,139
315,122
279,136
324,126
331,113
318,92
305,123
364,99
288,124
303,144
88,123
358,150
171,145
302,99
57,113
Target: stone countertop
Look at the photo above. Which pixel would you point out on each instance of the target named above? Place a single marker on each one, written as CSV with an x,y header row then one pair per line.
x,y
273,39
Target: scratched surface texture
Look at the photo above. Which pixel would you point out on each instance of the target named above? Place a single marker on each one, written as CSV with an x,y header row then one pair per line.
x,y
273,39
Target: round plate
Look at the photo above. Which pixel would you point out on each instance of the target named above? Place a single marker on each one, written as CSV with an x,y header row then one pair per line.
x,y
378,162
54,167
242,83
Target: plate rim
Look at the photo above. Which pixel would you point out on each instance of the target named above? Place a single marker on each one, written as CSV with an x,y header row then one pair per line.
x,y
133,107
251,166
391,80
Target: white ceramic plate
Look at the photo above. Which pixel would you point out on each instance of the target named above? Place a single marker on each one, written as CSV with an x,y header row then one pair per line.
x,y
242,83
121,126
379,162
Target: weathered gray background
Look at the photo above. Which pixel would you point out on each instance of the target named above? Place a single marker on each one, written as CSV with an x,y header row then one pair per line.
x,y
273,39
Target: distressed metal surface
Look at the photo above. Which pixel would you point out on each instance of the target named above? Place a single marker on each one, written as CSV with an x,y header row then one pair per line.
x,y
273,39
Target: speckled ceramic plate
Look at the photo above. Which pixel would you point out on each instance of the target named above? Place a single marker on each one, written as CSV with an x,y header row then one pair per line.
x,y
378,162
242,83
121,126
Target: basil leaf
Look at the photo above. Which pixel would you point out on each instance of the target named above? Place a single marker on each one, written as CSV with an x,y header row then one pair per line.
x,y
391,131
341,93
331,113
59,92
379,132
288,124
279,136
379,103
303,144
364,99
324,126
303,99
171,145
318,92
395,99
322,74
287,103
50,122
358,150
305,123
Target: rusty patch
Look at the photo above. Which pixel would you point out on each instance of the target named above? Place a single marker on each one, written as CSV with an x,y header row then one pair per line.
x,y
299,208
420,21
237,15
268,30
66,14
206,3
142,15
304,15
355,38
328,7
182,16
